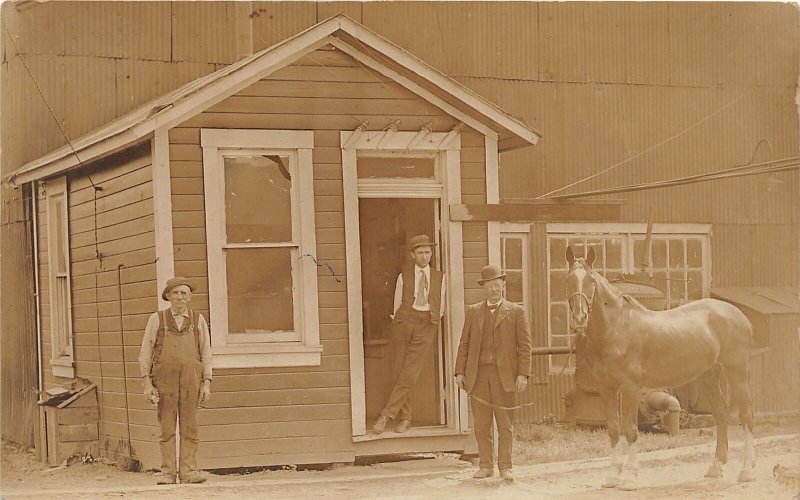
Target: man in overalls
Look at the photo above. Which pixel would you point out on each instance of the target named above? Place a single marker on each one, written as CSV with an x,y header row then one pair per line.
x,y
418,309
175,362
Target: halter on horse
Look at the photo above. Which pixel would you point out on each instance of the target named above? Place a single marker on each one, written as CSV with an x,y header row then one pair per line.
x,y
629,347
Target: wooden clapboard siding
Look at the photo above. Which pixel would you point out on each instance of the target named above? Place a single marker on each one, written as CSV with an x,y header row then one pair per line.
x,y
325,92
474,234
115,220
408,107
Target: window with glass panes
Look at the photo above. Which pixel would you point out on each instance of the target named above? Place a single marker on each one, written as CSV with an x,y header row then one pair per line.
x,y
260,232
678,262
260,245
514,262
62,357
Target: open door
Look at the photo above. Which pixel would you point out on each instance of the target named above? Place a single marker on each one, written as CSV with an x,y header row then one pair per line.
x,y
386,225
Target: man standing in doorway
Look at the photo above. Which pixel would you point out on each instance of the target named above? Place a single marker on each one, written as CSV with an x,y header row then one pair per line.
x,y
492,365
175,362
418,309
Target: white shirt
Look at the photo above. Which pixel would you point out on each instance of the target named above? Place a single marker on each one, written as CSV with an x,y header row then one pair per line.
x,y
398,290
495,305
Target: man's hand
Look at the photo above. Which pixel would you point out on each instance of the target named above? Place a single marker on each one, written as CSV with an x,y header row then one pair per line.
x,y
460,381
205,392
522,383
150,392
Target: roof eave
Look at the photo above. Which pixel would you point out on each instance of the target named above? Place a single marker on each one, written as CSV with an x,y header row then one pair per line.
x,y
143,121
486,108
186,100
515,142
65,158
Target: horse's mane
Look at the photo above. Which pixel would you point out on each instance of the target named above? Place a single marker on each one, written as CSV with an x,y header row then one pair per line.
x,y
632,300
607,286
617,293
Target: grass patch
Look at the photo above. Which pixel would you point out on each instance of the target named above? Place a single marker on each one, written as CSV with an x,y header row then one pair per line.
x,y
555,442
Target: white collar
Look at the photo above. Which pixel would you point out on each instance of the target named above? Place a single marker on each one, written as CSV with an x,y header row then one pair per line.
x,y
495,305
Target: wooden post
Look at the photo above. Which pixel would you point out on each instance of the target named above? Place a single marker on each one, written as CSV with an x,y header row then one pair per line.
x,y
540,210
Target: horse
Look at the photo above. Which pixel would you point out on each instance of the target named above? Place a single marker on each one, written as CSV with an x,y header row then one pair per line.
x,y
628,346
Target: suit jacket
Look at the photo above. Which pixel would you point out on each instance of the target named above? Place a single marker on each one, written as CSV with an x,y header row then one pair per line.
x,y
512,344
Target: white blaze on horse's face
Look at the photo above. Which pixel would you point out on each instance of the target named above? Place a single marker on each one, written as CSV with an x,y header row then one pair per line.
x,y
580,289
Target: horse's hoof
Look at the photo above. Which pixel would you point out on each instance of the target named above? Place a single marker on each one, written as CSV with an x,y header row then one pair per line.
x,y
747,476
714,472
611,482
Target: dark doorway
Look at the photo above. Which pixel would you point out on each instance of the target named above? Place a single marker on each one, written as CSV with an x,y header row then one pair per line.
x,y
386,224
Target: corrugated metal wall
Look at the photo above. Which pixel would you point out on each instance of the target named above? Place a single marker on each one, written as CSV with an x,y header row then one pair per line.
x,y
18,377
605,83
616,78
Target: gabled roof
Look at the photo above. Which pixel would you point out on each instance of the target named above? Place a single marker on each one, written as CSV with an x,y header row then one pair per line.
x,y
343,33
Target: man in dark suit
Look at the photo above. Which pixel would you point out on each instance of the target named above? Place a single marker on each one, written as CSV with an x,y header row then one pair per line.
x,y
418,308
492,365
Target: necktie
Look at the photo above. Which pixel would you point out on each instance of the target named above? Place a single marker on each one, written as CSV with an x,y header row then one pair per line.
x,y
421,290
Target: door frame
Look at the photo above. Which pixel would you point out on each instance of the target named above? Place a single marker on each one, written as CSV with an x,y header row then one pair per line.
x,y
447,187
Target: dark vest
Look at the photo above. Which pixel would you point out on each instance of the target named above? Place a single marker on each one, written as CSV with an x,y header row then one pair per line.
x,y
487,340
434,294
167,322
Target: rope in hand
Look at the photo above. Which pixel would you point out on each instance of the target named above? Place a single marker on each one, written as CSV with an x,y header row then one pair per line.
x,y
517,407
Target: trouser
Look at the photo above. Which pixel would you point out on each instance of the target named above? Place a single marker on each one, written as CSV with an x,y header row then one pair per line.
x,y
177,375
418,335
489,389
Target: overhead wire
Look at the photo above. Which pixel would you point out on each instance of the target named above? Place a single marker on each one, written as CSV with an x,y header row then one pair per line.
x,y
651,148
739,171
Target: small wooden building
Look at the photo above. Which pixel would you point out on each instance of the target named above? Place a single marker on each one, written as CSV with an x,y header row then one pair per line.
x,y
774,313
286,185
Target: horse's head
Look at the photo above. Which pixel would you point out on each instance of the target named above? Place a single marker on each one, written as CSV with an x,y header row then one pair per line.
x,y
581,288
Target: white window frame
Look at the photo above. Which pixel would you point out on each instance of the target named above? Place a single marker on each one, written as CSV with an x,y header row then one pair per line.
x,y
630,232
521,232
302,346
62,359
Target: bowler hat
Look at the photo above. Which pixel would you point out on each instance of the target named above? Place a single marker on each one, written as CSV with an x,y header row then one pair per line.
x,y
176,281
420,240
491,272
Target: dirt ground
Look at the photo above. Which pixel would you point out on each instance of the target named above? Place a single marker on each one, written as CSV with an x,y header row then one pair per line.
x,y
674,473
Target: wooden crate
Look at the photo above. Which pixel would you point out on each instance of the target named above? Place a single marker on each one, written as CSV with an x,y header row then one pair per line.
x,y
70,427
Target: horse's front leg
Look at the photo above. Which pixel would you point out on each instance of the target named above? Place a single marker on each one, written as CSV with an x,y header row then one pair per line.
x,y
629,404
609,396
